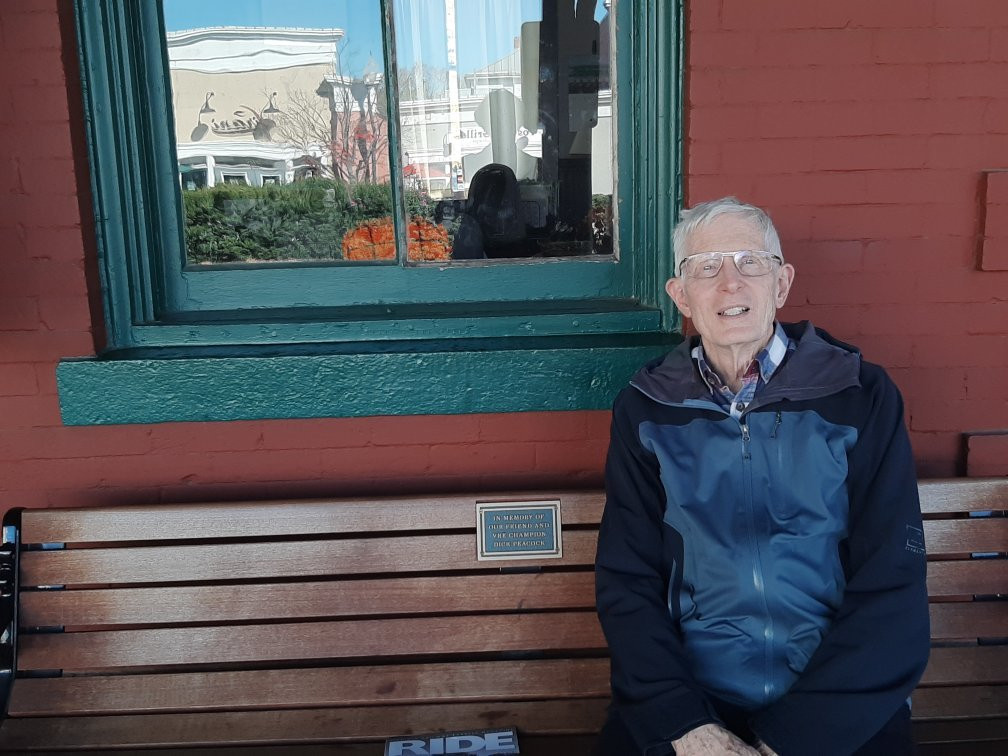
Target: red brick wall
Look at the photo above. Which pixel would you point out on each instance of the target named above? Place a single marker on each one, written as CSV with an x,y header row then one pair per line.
x,y
862,126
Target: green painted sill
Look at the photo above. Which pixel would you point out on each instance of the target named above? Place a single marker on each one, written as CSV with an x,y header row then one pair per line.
x,y
391,378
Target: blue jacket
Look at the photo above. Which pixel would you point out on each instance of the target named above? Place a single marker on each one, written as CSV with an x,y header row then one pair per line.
x,y
772,565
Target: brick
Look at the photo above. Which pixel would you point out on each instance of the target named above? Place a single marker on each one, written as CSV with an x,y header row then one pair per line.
x,y
825,256
812,47
448,429
35,210
917,186
966,350
994,253
965,13
967,152
322,433
936,384
721,49
29,412
40,104
953,415
850,289
987,455
702,159
703,187
50,177
999,45
74,443
55,243
39,148
969,80
793,14
960,115
53,277
987,382
571,457
956,285
18,314
32,31
870,153
995,187
937,453
703,89
935,253
871,82
817,119
872,221
930,45
395,462
820,188
722,122
702,17
919,318
64,313
18,379
768,155
45,377
43,67
533,426
763,84
480,459
44,346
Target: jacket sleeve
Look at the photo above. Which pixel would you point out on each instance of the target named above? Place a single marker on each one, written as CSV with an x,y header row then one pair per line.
x,y
653,691
874,653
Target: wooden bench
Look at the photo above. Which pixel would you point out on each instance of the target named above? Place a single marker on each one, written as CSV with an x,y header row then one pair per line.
x,y
270,625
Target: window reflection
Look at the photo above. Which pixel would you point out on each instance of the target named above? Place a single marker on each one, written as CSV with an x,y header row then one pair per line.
x,y
282,133
505,110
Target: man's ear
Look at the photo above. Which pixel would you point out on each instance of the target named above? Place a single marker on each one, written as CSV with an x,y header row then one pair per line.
x,y
675,289
785,277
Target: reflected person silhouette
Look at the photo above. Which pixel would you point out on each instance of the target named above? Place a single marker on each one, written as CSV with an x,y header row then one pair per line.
x,y
492,225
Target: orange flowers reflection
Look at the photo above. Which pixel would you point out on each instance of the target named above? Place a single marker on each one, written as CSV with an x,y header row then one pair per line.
x,y
375,240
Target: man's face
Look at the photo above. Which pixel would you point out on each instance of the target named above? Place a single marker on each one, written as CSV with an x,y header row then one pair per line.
x,y
731,311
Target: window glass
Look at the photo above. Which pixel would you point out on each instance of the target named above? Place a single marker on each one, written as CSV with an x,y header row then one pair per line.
x,y
505,109
282,129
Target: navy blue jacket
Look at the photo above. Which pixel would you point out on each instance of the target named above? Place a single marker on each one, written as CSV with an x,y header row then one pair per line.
x,y
772,565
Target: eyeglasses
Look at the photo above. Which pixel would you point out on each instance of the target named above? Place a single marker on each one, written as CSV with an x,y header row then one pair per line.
x,y
750,262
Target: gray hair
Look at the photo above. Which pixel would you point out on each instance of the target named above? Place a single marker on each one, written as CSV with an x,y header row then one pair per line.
x,y
700,215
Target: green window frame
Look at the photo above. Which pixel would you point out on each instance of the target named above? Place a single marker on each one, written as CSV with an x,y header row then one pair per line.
x,y
519,325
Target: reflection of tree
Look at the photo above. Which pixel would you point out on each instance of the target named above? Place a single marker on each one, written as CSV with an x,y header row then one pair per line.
x,y
423,82
341,127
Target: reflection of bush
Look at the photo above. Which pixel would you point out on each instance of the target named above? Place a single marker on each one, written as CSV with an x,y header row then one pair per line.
x,y
306,220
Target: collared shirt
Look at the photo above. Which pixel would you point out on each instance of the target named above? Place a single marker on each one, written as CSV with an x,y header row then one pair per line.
x,y
759,372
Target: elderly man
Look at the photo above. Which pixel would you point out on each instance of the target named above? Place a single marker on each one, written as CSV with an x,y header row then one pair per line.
x,y
760,569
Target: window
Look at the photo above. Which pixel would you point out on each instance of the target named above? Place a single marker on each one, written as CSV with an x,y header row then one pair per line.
x,y
306,190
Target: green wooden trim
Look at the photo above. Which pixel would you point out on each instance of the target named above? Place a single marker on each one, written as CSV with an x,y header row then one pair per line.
x,y
411,328
389,285
96,392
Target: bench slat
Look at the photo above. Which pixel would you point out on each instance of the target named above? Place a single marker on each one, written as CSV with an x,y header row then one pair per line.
x,y
963,495
966,536
968,577
278,601
312,640
286,518
961,702
957,620
313,687
298,725
938,731
983,665
234,561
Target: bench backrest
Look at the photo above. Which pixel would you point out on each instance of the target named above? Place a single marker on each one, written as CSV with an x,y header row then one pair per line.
x,y
299,617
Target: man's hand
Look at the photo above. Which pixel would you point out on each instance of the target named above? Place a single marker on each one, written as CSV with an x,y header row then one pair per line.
x,y
712,740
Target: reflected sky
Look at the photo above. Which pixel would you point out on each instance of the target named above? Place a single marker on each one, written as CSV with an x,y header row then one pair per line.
x,y
424,20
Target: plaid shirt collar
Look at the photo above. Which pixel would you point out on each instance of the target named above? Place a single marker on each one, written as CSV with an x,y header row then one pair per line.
x,y
768,359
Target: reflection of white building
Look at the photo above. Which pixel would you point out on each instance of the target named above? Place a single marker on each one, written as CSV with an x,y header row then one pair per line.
x,y
229,86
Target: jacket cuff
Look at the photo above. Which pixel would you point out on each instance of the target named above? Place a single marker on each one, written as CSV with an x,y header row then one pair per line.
x,y
665,719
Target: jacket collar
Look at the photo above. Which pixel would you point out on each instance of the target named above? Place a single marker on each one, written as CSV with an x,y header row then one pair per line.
x,y
819,366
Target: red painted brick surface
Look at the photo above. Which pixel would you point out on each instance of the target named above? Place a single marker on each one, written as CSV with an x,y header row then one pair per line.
x,y
987,455
865,127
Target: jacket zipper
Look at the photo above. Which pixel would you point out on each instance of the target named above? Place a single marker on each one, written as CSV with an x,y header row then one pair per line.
x,y
757,566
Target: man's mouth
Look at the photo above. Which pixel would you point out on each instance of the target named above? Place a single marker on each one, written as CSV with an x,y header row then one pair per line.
x,y
731,312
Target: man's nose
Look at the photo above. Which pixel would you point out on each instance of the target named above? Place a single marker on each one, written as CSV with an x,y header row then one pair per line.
x,y
729,276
